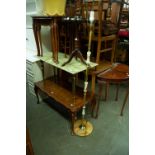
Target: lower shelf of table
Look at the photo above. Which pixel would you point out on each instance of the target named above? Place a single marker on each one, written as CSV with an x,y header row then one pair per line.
x,y
62,93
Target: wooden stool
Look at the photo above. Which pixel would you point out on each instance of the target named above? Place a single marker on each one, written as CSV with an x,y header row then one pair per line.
x,y
116,74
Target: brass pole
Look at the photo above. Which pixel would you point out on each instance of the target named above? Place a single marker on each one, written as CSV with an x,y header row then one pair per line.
x,y
83,127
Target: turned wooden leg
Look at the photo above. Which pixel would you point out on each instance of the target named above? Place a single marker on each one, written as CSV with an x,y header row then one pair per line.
x,y
124,102
36,92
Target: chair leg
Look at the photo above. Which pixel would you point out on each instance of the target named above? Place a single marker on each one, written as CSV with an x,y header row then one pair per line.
x,y
93,82
117,90
106,91
124,102
96,106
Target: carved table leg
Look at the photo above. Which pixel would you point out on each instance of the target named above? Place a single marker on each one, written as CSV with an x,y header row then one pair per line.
x,y
36,92
36,30
54,40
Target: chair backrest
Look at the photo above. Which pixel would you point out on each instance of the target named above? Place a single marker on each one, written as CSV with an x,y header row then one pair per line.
x,y
105,44
115,9
98,6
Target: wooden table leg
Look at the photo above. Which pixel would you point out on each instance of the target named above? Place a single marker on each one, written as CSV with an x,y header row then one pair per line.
x,y
54,40
124,102
73,118
39,40
37,36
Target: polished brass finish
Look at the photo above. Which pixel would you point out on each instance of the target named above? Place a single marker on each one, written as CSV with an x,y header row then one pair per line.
x,y
83,128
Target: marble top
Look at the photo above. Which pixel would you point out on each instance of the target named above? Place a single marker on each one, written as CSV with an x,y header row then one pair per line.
x,y
31,55
73,67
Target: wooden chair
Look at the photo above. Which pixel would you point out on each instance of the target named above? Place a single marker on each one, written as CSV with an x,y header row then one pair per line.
x,y
104,39
102,43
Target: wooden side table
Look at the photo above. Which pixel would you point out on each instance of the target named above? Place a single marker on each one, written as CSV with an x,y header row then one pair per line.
x,y
51,21
69,96
116,74
64,96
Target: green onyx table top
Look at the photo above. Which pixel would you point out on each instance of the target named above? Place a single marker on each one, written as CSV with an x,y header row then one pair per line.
x,y
73,67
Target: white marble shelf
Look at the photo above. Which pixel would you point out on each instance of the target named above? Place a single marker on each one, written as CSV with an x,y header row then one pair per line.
x,y
74,67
